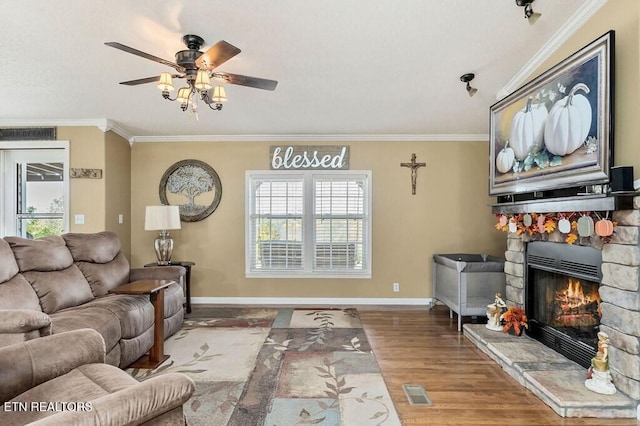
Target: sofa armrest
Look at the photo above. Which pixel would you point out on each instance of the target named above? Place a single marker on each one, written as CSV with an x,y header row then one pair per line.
x,y
28,364
133,405
175,273
23,321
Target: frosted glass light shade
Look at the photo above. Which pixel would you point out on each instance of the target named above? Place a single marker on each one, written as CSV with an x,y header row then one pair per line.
x,y
203,82
165,83
219,95
184,95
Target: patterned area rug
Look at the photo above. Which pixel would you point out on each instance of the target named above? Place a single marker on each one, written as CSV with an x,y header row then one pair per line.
x,y
278,367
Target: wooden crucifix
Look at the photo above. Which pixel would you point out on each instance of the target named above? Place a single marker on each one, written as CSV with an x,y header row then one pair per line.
x,y
414,171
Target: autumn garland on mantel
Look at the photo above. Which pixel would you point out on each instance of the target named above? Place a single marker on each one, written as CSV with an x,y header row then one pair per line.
x,y
571,224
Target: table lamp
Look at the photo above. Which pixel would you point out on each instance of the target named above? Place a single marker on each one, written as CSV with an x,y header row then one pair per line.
x,y
162,218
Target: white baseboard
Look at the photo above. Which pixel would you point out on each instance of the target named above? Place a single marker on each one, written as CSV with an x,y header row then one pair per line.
x,y
308,301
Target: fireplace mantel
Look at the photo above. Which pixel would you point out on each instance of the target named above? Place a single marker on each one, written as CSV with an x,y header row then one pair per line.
x,y
577,203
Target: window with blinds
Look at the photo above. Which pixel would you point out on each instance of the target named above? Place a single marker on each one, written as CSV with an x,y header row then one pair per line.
x,y
308,224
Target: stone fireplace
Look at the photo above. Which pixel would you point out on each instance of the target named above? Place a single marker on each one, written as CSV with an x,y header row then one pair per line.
x,y
618,291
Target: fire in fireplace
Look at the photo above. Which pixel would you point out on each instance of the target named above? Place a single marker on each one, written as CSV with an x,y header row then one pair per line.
x,y
562,300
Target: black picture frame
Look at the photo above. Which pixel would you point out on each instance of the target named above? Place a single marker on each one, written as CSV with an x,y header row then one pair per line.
x,y
191,179
542,124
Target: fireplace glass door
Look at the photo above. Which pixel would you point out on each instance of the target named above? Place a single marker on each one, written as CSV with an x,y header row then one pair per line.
x,y
562,299
569,305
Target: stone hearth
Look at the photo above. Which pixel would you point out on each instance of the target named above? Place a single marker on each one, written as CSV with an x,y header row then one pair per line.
x,y
558,382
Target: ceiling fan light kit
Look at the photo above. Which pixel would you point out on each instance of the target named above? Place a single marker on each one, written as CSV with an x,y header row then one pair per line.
x,y
466,78
197,68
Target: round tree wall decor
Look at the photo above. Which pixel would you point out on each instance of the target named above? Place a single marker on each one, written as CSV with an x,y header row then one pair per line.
x,y
194,186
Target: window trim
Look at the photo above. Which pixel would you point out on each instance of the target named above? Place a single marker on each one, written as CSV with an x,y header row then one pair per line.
x,y
308,179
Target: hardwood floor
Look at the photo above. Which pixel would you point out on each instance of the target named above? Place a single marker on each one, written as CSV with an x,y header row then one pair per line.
x,y
421,346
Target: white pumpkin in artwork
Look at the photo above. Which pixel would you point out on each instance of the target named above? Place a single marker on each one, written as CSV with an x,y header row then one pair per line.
x,y
569,122
505,159
527,129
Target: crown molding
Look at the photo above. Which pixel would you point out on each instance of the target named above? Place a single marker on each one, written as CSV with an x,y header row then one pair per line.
x,y
579,18
316,138
106,125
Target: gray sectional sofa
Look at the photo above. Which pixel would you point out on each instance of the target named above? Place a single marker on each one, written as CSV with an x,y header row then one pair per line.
x,y
61,283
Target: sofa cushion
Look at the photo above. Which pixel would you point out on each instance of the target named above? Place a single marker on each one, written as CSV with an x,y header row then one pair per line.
x,y
135,312
60,289
44,254
8,265
101,320
17,293
103,277
101,247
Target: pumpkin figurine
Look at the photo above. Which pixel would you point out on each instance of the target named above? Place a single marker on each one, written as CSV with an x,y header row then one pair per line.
x,y
527,129
604,228
564,225
505,159
585,226
568,123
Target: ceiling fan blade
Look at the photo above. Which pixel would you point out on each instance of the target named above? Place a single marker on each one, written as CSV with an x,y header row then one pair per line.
x,y
217,55
245,80
145,55
147,80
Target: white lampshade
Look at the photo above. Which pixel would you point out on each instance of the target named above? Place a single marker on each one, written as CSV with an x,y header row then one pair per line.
x,y
157,218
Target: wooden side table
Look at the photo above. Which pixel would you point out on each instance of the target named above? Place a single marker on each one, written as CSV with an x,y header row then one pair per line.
x,y
155,290
187,279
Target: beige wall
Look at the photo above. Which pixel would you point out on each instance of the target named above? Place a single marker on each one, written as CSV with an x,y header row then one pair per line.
x,y
449,213
621,16
117,176
86,151
100,200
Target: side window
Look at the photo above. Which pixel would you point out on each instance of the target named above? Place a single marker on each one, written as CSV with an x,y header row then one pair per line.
x,y
33,192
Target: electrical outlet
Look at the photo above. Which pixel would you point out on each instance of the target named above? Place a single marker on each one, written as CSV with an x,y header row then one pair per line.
x,y
396,287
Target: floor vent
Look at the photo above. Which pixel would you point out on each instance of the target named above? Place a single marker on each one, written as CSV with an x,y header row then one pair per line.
x,y
416,395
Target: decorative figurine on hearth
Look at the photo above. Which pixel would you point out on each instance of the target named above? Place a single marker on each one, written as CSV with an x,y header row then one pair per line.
x,y
598,376
494,311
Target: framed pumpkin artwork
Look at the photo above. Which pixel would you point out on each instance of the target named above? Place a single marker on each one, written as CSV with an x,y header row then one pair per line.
x,y
557,130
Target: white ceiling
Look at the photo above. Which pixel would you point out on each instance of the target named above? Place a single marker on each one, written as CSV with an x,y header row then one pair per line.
x,y
351,67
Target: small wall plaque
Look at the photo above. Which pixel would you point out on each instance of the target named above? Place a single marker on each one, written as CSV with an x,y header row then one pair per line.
x,y
86,173
28,134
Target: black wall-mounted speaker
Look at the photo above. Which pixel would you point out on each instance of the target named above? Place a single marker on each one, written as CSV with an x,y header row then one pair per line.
x,y
621,178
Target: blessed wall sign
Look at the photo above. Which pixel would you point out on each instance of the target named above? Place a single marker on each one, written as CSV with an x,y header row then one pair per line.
x,y
297,157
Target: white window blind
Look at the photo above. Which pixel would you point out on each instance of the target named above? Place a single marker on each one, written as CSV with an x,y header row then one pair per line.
x,y
308,224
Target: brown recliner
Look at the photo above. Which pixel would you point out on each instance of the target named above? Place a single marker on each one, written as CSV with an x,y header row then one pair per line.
x,y
62,379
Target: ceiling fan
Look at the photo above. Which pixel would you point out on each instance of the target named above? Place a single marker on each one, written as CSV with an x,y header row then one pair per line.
x,y
198,69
